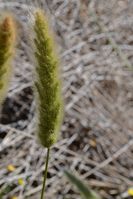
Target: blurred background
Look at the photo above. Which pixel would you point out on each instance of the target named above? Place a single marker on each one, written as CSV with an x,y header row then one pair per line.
x,y
95,42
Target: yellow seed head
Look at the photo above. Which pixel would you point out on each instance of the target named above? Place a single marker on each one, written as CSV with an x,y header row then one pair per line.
x,y
130,191
21,181
11,168
14,197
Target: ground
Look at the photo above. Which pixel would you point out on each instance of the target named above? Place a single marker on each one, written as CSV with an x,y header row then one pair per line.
x,y
95,43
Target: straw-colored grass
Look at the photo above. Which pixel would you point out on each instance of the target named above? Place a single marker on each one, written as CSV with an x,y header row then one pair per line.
x,y
95,42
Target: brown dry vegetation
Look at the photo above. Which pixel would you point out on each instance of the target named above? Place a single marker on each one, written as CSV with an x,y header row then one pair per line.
x,y
95,40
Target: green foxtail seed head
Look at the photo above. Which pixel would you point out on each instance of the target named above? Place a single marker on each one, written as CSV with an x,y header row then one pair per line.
x,y
47,83
7,44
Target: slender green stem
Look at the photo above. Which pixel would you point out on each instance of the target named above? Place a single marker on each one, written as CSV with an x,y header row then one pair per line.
x,y
45,174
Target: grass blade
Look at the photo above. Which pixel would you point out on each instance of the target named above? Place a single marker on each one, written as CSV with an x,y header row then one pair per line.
x,y
86,192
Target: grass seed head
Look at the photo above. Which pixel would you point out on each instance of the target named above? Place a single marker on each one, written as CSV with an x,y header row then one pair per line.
x,y
47,83
7,45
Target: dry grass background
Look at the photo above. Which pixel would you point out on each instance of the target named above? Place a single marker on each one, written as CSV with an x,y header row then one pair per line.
x,y
95,39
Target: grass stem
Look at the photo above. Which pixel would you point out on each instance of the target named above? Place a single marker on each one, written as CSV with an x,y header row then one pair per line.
x,y
45,174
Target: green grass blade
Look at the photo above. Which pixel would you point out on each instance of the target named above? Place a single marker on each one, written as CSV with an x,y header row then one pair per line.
x,y
86,192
